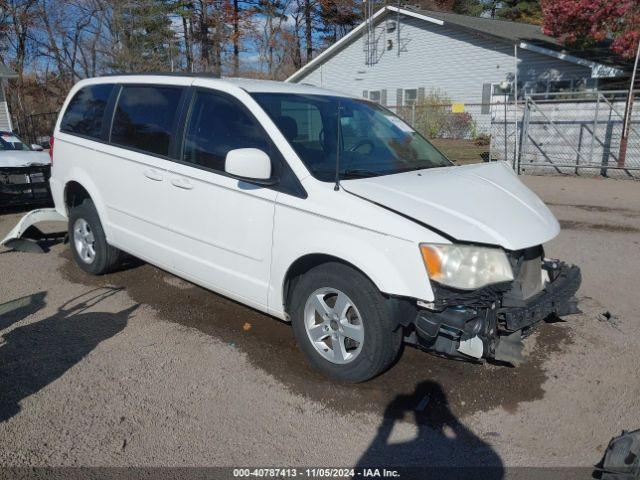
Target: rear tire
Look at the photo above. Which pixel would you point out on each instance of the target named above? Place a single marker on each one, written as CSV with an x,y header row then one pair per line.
x,y
88,242
334,306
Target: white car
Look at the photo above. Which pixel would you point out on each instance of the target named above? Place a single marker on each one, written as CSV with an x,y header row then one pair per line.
x,y
312,206
24,172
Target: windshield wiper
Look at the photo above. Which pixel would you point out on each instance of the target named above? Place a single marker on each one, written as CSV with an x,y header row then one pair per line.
x,y
351,172
422,167
360,172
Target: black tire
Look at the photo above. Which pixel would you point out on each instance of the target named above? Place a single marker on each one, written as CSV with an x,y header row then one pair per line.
x,y
106,258
382,338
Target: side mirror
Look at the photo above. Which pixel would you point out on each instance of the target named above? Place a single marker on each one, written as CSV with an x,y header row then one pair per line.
x,y
250,164
36,147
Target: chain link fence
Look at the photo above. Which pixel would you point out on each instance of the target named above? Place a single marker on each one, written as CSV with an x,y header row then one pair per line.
x,y
571,133
567,133
36,128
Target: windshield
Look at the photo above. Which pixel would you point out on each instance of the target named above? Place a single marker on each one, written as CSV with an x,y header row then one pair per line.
x,y
369,139
10,141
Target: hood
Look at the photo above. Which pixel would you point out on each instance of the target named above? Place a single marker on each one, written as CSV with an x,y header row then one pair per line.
x,y
483,203
23,158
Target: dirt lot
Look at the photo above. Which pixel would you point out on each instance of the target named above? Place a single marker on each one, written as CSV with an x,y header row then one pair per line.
x,y
142,368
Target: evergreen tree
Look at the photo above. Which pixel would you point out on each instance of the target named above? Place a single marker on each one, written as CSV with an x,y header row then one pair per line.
x,y
145,40
527,11
468,7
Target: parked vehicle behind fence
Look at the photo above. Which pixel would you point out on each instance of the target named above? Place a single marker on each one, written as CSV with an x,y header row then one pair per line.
x,y
315,207
24,172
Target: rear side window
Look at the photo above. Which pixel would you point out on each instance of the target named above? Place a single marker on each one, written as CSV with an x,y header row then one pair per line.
x,y
145,118
85,111
217,124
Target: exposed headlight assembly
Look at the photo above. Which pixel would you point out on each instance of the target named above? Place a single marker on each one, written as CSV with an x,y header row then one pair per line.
x,y
466,267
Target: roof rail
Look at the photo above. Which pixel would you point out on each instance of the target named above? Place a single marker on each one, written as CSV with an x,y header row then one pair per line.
x,y
167,74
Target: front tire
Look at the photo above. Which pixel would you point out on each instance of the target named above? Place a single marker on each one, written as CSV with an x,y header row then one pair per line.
x,y
342,323
88,242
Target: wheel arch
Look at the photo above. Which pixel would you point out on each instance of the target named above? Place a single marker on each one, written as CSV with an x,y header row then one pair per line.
x,y
305,263
393,265
74,195
78,187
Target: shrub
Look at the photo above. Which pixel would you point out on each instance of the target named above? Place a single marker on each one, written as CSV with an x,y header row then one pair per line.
x,y
483,139
432,116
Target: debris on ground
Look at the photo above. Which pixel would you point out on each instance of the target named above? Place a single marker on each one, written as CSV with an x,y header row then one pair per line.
x,y
608,317
622,458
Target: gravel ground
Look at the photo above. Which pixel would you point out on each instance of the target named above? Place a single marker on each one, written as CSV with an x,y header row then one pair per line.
x,y
142,368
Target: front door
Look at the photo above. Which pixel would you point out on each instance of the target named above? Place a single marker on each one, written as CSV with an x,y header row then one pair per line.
x,y
220,227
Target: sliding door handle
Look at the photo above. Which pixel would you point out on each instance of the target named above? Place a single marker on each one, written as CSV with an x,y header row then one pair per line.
x,y
182,183
153,174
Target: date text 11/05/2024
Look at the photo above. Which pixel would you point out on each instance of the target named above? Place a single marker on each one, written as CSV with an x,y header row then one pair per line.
x,y
316,472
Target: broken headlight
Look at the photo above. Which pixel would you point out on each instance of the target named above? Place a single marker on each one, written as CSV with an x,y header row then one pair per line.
x,y
466,267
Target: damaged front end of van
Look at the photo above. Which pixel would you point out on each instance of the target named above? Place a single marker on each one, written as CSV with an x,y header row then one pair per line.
x,y
491,321
490,280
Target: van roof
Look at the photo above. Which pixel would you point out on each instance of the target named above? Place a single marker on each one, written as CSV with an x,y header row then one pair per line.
x,y
248,84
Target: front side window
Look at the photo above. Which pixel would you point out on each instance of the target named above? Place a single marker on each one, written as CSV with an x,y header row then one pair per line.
x,y
145,116
85,111
368,138
218,124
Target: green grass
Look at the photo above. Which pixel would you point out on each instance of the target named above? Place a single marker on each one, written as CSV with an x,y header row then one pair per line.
x,y
461,152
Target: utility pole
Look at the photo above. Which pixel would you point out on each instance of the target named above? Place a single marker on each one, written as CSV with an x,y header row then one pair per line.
x,y
627,114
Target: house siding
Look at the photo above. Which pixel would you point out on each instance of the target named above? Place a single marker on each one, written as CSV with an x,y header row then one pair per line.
x,y
5,120
437,57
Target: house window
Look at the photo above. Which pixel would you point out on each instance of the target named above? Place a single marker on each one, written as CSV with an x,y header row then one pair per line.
x,y
561,86
374,95
498,90
410,96
499,93
301,122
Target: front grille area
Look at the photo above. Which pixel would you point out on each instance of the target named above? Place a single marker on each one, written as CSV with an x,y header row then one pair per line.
x,y
24,185
527,271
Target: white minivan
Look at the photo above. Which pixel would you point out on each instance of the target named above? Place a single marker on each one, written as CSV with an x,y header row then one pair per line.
x,y
313,206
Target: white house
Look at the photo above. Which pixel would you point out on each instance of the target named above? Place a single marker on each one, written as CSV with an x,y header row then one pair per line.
x,y
401,53
5,117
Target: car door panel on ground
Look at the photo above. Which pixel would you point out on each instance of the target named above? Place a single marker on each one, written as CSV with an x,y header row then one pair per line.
x,y
221,227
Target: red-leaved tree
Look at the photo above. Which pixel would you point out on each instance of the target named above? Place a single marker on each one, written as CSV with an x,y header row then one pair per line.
x,y
586,22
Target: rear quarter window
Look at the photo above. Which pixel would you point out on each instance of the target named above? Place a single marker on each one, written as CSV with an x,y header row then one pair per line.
x,y
85,112
145,118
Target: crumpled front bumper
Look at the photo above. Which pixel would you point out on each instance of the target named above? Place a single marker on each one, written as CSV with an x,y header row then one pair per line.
x,y
490,322
25,185
557,298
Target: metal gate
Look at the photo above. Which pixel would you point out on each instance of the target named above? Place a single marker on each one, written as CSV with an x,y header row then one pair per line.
x,y
568,132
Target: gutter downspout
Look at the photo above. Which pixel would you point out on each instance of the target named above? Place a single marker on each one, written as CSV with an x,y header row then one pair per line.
x,y
3,95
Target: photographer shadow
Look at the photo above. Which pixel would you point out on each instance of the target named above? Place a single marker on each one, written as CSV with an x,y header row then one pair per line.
x,y
443,447
36,354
